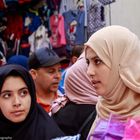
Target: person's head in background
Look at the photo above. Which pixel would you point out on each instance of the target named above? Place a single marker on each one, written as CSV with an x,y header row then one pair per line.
x,y
113,55
19,60
75,53
45,68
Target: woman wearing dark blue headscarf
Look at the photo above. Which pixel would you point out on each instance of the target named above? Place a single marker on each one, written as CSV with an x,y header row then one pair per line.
x,y
21,118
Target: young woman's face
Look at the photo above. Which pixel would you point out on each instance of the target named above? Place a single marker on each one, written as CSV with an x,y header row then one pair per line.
x,y
98,72
15,100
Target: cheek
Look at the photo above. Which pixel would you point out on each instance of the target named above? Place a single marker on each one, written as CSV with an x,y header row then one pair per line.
x,y
27,102
42,78
105,76
5,108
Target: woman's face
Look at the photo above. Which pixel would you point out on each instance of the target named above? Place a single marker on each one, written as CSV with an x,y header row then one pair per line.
x,y
15,100
98,72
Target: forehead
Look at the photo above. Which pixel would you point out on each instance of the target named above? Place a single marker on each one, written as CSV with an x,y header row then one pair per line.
x,y
13,78
90,53
8,82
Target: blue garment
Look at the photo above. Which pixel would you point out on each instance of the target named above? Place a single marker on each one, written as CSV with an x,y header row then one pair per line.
x,y
19,59
61,89
36,22
79,17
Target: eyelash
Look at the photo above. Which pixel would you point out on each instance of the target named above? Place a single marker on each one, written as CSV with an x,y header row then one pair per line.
x,y
98,61
6,95
87,61
22,93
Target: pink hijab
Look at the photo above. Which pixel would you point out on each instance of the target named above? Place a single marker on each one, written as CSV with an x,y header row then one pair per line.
x,y
78,87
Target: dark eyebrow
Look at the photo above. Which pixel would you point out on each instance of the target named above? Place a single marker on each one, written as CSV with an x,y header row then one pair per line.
x,y
5,91
23,88
11,91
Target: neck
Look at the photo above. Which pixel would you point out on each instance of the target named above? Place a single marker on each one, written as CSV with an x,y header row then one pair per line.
x,y
46,98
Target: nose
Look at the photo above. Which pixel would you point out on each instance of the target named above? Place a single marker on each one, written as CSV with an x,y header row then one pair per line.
x,y
58,75
16,101
90,71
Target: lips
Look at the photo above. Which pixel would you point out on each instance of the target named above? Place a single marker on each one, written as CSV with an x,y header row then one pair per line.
x,y
56,84
18,112
95,82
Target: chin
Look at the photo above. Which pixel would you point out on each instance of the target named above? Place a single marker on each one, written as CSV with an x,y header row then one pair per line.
x,y
54,91
18,120
100,92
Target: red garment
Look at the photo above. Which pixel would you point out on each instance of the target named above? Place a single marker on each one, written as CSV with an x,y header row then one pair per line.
x,y
14,26
1,5
58,33
47,107
23,1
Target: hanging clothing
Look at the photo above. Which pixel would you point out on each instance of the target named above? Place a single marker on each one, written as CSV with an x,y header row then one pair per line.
x,y
24,1
74,27
106,2
37,124
12,22
2,5
39,39
35,21
95,18
58,33
67,5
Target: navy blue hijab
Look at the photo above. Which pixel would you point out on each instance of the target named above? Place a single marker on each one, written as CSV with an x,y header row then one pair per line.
x,y
38,125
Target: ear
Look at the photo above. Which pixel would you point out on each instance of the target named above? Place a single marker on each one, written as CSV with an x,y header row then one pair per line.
x,y
33,73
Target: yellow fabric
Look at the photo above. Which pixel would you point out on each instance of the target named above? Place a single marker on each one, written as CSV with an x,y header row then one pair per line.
x,y
119,49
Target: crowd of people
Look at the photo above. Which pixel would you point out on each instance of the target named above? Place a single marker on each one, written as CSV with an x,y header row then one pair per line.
x,y
94,98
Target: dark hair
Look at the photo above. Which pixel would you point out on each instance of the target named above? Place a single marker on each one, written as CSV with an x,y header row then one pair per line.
x,y
77,50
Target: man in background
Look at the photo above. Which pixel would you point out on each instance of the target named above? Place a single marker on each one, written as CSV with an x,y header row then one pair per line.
x,y
45,68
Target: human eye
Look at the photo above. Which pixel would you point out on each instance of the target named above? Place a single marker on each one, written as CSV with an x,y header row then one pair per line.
x,y
6,95
24,92
59,70
51,71
97,61
87,61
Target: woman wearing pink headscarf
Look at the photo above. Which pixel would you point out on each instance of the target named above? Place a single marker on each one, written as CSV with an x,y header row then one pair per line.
x,y
71,111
